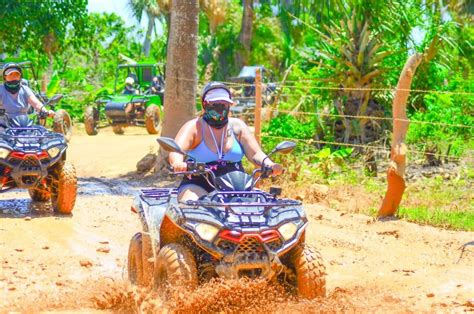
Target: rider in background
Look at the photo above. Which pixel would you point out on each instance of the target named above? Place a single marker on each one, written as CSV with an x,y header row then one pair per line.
x,y
218,141
16,98
156,85
130,87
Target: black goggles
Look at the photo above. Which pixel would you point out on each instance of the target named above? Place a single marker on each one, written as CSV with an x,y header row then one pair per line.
x,y
218,106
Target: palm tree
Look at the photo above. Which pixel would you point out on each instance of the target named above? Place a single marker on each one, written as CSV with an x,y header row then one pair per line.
x,y
153,11
181,66
245,37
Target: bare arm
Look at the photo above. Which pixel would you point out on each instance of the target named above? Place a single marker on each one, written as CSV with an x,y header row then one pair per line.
x,y
35,103
185,139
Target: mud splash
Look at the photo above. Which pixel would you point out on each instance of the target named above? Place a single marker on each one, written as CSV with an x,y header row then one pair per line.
x,y
218,296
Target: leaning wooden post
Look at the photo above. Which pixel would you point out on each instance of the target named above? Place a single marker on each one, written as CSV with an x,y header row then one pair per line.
x,y
258,104
396,169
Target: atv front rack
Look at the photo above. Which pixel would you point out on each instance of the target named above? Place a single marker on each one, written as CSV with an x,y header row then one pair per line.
x,y
29,132
217,199
159,193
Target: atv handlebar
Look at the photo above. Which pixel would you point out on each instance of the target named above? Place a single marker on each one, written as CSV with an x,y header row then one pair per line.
x,y
196,169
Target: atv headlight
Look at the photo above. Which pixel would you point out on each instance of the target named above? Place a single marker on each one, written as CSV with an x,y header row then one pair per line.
x,y
206,232
54,152
4,152
288,230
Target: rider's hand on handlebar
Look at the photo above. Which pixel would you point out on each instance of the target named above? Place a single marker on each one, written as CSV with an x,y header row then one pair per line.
x,y
180,166
277,169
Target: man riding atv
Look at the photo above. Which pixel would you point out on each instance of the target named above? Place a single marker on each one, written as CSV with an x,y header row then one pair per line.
x,y
15,97
218,141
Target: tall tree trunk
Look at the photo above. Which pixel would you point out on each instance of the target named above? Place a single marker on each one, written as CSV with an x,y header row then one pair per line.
x,y
245,37
181,68
147,41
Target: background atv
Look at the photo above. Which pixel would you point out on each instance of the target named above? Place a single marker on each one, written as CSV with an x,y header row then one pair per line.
x,y
121,110
33,158
235,231
244,96
62,122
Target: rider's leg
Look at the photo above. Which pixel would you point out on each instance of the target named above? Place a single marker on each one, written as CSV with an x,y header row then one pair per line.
x,y
190,192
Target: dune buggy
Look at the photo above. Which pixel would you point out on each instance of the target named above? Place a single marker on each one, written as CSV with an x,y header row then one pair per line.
x,y
62,122
143,108
235,231
33,158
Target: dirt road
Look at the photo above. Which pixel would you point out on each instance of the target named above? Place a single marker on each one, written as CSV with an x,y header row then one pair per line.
x,y
79,262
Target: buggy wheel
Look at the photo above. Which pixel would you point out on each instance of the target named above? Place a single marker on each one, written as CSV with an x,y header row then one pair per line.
x,y
152,119
39,194
62,124
90,121
310,272
64,188
135,263
175,266
118,130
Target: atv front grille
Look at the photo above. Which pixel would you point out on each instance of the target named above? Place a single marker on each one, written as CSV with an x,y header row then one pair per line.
x,y
274,245
30,162
250,245
14,161
226,246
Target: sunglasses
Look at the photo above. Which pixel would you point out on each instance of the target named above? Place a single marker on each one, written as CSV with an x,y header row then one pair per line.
x,y
218,106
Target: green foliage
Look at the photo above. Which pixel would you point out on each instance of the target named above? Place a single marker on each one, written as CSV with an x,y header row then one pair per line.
x,y
42,26
460,220
443,108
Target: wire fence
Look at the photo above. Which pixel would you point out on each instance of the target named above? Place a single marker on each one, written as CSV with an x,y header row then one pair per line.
x,y
364,146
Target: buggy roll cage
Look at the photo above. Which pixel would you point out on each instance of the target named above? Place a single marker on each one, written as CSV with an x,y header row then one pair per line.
x,y
143,74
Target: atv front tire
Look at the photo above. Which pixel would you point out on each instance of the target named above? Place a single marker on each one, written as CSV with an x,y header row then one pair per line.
x,y
39,194
310,272
118,130
64,189
175,266
62,124
135,264
90,120
152,119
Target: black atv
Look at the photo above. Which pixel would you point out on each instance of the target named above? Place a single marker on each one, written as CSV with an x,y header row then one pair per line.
x,y
33,158
235,231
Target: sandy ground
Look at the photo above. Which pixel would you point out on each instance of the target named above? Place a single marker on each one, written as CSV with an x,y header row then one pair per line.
x,y
69,263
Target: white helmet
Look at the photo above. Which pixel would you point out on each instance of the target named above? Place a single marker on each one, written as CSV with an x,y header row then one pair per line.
x,y
129,81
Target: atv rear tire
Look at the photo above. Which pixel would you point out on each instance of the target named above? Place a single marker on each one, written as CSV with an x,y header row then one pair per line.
x,y
64,189
118,130
90,120
135,263
175,266
310,272
152,119
39,194
62,124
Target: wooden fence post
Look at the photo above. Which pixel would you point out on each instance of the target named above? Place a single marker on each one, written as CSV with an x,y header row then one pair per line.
x,y
258,104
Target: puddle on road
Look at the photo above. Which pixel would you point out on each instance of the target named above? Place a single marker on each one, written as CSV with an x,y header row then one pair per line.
x,y
96,186
17,204
22,207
